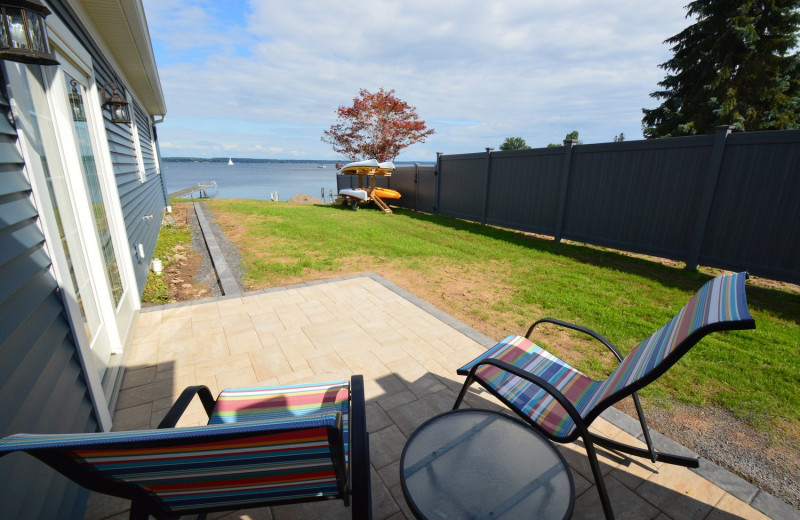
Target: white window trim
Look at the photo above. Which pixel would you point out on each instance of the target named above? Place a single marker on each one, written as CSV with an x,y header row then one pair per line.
x,y
137,147
64,42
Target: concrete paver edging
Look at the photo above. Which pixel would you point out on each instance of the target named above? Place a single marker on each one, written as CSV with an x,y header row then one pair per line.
x,y
227,281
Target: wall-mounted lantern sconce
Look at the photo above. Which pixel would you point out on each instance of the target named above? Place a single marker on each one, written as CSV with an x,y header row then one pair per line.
x,y
116,104
76,103
23,34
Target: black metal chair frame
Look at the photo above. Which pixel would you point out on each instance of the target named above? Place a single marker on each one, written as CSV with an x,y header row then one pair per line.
x,y
582,425
354,487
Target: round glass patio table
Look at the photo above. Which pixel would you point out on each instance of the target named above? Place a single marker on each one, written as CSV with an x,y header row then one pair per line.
x,y
482,464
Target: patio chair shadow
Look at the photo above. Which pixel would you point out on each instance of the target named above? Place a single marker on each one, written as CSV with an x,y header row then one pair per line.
x,y
637,488
396,407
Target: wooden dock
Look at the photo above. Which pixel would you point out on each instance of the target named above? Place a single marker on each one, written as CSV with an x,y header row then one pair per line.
x,y
202,189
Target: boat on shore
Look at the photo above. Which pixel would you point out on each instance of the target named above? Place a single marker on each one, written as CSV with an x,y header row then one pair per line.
x,y
368,167
360,166
353,193
386,193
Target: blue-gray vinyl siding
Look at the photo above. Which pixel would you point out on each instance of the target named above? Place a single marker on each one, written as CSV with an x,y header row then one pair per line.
x,y
138,199
41,382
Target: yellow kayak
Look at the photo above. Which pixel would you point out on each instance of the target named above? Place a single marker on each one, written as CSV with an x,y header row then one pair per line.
x,y
386,193
368,167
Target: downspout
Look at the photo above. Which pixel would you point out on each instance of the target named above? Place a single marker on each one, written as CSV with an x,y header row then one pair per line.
x,y
158,121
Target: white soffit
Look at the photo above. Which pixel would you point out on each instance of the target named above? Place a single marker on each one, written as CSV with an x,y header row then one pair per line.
x,y
123,28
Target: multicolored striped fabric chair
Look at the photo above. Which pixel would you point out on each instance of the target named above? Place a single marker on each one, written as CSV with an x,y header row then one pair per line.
x,y
262,447
561,402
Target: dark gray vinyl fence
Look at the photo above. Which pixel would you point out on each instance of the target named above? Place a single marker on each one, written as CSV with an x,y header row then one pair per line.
x,y
416,183
728,200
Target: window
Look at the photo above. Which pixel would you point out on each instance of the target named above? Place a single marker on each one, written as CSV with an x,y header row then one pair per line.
x,y
76,96
140,170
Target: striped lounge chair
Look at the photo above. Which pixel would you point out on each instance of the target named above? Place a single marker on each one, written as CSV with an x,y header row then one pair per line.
x,y
262,446
561,402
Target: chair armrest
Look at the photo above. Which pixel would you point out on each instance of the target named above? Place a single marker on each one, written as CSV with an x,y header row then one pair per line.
x,y
572,326
360,483
541,383
177,409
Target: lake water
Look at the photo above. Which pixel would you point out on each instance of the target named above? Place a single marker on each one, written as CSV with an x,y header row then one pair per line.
x,y
252,180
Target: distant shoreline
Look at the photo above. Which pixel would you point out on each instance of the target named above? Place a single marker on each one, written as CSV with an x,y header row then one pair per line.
x,y
246,160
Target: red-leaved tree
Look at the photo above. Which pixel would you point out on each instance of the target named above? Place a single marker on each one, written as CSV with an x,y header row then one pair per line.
x,y
377,126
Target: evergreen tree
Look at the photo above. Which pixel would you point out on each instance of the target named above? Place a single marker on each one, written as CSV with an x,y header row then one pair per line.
x,y
732,67
571,136
514,143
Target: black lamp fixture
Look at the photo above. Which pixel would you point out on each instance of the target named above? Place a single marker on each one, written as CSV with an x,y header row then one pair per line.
x,y
23,34
76,102
116,104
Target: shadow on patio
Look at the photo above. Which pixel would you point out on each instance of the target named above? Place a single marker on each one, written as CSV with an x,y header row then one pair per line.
x,y
407,351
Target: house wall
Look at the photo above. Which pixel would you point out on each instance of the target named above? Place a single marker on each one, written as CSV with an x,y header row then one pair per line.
x,y
139,198
41,381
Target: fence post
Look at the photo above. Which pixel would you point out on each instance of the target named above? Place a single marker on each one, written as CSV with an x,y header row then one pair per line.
x,y
562,205
438,174
486,186
707,200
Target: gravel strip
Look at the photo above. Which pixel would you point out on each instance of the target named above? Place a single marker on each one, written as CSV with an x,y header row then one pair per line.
x,y
207,274
722,438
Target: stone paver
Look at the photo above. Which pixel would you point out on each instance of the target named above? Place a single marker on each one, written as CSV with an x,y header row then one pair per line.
x,y
408,352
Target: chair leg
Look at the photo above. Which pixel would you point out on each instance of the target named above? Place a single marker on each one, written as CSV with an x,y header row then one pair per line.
x,y
359,453
645,429
138,511
667,458
598,478
362,492
463,392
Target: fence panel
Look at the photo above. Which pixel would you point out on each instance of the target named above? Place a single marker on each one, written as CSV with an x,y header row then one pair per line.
x,y
345,182
351,182
755,217
426,189
462,187
524,188
641,196
403,179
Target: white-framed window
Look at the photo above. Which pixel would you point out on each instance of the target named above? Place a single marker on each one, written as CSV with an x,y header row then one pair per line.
x,y
137,146
154,151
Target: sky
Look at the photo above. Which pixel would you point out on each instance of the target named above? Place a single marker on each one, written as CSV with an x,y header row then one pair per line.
x,y
263,78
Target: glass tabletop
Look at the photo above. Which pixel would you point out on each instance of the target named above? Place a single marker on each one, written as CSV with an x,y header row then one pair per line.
x,y
480,464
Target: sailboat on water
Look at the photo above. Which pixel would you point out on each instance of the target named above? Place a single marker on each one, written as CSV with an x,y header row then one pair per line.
x,y
230,161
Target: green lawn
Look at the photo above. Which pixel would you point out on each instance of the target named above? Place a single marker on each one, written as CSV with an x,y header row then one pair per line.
x,y
500,281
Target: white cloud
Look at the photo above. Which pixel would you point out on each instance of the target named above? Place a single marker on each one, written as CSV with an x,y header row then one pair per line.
x,y
277,71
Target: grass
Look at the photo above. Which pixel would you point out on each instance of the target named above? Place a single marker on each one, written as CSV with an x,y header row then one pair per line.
x,y
499,281
172,238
